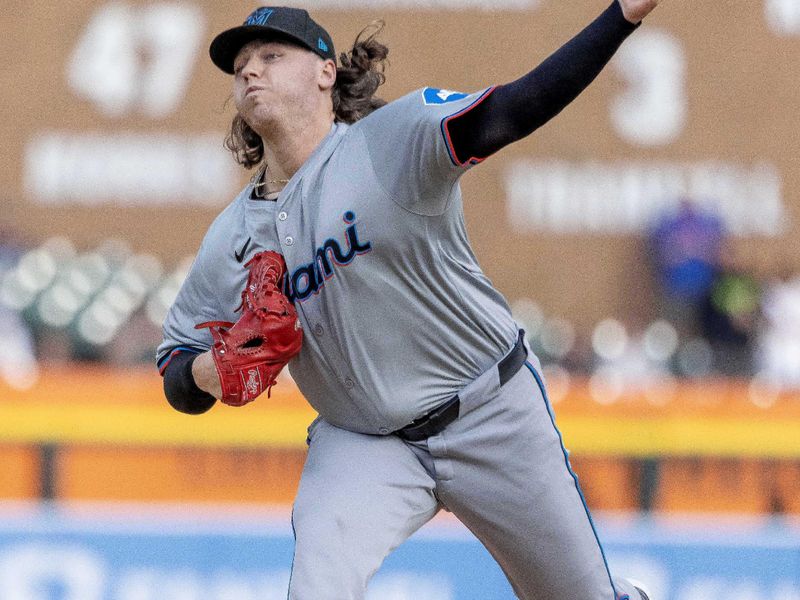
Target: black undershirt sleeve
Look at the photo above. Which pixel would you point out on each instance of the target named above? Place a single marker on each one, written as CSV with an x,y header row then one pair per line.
x,y
180,388
514,110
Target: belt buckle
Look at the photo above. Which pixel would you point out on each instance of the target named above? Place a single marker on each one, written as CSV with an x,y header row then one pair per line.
x,y
436,415
427,424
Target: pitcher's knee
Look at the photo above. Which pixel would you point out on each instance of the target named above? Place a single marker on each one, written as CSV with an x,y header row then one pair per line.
x,y
328,563
334,550
339,520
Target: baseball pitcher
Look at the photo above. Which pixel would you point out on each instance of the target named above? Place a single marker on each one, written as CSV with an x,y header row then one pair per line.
x,y
347,258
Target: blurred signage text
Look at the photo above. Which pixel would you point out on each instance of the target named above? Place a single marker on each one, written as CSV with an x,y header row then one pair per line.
x,y
136,59
131,169
783,16
627,197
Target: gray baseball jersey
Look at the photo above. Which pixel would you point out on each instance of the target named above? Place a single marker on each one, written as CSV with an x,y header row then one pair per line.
x,y
397,314
398,318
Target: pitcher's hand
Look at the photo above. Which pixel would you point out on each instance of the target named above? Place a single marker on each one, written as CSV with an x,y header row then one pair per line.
x,y
636,10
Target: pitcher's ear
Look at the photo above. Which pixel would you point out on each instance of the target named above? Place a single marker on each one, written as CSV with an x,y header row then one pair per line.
x,y
327,75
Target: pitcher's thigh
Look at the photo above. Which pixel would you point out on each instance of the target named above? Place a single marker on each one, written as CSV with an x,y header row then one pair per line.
x,y
359,498
513,487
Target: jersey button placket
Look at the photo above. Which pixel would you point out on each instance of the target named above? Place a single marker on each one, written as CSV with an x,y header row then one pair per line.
x,y
284,226
318,330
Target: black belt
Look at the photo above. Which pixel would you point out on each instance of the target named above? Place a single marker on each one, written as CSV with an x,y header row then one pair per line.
x,y
440,417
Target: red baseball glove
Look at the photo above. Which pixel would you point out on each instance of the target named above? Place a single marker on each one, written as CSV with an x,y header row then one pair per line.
x,y
250,353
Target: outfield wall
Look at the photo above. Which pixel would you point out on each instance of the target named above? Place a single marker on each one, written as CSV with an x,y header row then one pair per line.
x,y
118,552
104,434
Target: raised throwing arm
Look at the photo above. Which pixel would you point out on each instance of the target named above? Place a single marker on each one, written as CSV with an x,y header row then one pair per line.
x,y
514,110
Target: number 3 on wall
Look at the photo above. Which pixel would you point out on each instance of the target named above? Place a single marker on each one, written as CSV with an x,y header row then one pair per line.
x,y
136,59
653,109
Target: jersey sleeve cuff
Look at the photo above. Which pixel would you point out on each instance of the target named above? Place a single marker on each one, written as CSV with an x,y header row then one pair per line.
x,y
473,160
164,361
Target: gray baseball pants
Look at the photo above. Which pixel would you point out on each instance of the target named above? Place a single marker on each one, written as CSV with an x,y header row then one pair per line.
x,y
500,468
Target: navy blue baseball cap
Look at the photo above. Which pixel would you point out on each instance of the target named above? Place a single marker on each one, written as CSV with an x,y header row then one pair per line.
x,y
272,22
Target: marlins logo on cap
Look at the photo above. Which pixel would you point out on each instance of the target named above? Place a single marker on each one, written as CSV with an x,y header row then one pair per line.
x,y
259,16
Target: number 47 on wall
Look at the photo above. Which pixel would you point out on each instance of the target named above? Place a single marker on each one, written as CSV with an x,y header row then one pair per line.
x,y
136,59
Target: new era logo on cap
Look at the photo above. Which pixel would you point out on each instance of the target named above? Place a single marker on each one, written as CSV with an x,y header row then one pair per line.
x,y
322,45
259,16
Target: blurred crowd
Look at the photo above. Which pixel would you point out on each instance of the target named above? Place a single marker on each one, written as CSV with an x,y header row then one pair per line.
x,y
717,313
58,304
746,310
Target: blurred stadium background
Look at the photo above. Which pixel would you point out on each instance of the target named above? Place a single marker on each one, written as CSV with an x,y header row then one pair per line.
x,y
647,240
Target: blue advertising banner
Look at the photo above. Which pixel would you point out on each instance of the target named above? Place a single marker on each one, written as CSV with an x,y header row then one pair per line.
x,y
121,552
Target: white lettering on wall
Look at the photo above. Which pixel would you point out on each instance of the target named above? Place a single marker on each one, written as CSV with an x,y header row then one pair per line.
x,y
626,198
783,16
128,169
29,571
136,59
652,110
